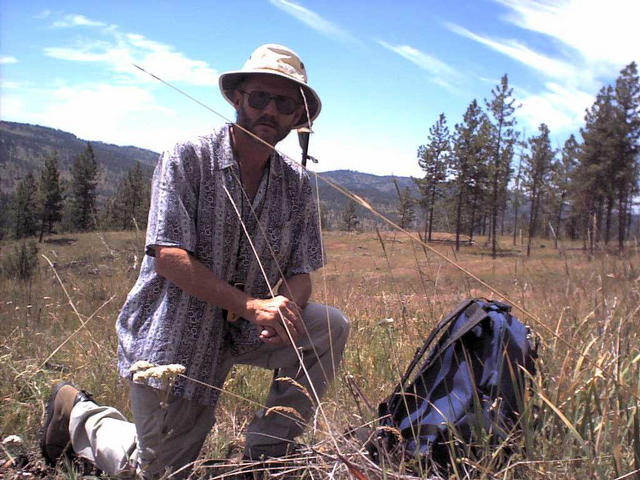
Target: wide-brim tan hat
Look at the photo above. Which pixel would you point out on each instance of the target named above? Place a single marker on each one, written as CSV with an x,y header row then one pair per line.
x,y
275,60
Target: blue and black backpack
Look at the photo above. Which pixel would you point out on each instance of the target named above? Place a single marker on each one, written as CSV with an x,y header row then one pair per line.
x,y
468,380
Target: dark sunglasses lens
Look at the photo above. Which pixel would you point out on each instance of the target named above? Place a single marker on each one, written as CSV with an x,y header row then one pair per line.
x,y
285,105
258,99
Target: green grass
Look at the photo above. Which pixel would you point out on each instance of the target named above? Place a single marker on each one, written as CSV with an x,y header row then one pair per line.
x,y
580,422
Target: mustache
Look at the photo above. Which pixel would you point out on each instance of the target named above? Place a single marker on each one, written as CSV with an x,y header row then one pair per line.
x,y
266,120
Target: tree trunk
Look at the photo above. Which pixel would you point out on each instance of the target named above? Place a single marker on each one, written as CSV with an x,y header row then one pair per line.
x,y
532,220
42,224
433,201
559,220
607,228
474,207
426,221
515,222
458,219
494,218
622,220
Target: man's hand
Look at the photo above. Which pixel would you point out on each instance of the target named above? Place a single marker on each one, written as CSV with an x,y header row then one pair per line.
x,y
273,314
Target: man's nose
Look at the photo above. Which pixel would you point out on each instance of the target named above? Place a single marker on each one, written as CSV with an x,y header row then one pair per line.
x,y
271,107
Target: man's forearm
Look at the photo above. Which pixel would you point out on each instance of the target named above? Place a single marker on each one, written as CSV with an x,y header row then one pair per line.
x,y
196,279
272,314
297,288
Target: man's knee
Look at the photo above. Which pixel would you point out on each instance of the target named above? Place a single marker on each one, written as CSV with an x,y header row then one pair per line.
x,y
328,320
338,326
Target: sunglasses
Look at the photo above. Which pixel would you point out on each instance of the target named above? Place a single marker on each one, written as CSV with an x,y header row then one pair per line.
x,y
259,100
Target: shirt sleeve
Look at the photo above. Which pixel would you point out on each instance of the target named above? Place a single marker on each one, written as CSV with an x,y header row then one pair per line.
x,y
306,254
173,210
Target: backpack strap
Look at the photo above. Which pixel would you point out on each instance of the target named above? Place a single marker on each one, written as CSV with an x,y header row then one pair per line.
x,y
476,314
445,322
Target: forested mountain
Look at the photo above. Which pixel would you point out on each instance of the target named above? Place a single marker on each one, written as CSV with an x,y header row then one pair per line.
x,y
24,148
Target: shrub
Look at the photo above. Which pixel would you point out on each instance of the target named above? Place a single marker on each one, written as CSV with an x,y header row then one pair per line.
x,y
21,262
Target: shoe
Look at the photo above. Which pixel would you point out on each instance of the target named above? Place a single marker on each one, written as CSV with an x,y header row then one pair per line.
x,y
54,436
287,467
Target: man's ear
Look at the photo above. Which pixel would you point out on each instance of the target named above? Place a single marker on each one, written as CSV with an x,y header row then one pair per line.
x,y
236,96
301,116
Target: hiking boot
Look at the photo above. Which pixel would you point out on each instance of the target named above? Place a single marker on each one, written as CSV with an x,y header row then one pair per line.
x,y
54,436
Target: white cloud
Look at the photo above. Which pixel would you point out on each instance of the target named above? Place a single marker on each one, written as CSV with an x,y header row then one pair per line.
x,y
118,51
119,114
591,42
7,84
315,21
75,21
74,55
602,32
103,110
561,108
4,59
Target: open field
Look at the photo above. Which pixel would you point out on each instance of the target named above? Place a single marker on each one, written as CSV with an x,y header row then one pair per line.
x,y
586,416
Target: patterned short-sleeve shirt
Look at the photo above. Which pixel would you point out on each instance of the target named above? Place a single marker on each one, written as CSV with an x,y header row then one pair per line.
x,y
196,201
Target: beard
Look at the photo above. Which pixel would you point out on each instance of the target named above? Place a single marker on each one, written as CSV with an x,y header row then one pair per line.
x,y
264,127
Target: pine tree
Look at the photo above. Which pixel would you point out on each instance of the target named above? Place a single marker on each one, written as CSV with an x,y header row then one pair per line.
x,y
5,214
627,97
516,193
25,207
537,170
562,173
405,209
466,164
479,185
84,175
501,110
50,195
433,159
593,190
349,218
130,204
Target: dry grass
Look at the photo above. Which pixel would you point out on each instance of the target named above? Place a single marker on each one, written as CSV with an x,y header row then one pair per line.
x,y
586,420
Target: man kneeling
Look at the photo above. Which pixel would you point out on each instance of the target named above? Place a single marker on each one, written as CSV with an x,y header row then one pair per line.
x,y
229,219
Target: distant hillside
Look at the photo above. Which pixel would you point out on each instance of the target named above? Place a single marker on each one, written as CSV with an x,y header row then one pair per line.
x,y
24,147
379,191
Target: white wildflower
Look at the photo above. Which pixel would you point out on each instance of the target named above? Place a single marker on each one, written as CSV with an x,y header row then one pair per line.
x,y
12,439
141,365
145,370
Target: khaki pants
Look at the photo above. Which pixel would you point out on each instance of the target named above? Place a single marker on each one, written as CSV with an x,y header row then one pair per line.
x,y
170,436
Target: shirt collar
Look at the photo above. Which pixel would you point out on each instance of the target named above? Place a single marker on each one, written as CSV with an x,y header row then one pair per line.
x,y
225,155
227,159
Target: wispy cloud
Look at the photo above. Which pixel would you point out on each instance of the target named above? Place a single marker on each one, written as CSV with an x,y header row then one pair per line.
x,y
75,21
43,14
442,74
423,60
314,20
5,60
521,53
118,51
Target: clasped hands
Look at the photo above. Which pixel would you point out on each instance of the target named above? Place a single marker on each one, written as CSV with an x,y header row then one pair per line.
x,y
276,315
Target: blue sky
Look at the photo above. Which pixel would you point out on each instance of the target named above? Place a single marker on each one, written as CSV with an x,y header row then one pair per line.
x,y
384,70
